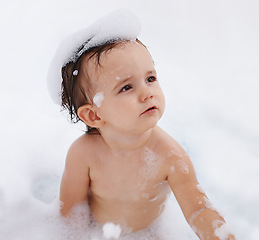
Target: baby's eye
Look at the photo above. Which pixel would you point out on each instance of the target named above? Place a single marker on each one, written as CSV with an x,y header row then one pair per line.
x,y
151,79
126,88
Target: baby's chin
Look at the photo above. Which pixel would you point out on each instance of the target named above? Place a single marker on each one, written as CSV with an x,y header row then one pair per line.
x,y
150,126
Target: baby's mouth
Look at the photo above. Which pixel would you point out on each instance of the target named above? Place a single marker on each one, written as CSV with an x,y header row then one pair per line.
x,y
150,110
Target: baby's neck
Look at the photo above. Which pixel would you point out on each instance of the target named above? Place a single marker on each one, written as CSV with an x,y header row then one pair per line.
x,y
127,143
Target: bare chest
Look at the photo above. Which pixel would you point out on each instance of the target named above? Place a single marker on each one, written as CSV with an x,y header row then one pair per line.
x,y
128,179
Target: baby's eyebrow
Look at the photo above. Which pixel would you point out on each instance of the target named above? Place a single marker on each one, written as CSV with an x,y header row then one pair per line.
x,y
151,72
120,82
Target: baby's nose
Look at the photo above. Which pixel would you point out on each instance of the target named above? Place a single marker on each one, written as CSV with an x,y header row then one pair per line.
x,y
146,93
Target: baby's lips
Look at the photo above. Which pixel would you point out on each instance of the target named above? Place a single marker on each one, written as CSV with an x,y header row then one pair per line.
x,y
150,108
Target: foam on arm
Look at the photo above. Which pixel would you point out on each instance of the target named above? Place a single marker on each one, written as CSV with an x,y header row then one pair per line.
x,y
200,214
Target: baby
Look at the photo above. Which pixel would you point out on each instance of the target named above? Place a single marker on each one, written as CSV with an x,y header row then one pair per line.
x,y
125,166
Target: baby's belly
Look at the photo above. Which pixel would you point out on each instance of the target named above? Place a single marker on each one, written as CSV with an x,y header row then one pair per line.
x,y
131,215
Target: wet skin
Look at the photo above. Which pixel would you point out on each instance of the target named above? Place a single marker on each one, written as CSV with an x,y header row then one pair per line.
x,y
127,172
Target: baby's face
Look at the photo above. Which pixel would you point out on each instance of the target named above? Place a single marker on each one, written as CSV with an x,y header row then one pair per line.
x,y
127,95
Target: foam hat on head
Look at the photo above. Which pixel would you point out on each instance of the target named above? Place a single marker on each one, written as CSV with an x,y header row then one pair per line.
x,y
118,25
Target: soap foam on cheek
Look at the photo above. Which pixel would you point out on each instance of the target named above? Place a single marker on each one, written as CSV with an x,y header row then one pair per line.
x,y
98,99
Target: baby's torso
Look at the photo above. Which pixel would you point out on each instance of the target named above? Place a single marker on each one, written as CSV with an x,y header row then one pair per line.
x,y
128,190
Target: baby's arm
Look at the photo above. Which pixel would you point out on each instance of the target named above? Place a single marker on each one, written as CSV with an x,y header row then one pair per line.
x,y
75,180
205,221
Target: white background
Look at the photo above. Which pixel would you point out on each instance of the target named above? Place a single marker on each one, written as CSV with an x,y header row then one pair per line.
x,y
206,54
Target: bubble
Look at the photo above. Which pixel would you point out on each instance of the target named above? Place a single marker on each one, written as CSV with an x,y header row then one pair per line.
x,y
75,73
98,98
111,231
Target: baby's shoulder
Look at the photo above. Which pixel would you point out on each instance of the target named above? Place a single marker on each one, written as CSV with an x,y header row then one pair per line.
x,y
85,140
176,162
83,148
167,146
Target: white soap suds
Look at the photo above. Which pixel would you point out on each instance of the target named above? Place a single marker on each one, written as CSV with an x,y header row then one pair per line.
x,y
98,98
195,229
154,199
111,231
221,230
172,153
75,73
208,206
183,167
150,167
118,25
195,215
200,189
211,206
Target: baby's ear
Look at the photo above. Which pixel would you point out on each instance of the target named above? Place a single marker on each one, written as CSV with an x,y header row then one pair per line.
x,y
87,113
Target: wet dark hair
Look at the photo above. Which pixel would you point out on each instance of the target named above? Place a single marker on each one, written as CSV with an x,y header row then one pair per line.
x,y
75,93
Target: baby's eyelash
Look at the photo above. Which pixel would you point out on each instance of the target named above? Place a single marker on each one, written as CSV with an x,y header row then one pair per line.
x,y
126,88
151,79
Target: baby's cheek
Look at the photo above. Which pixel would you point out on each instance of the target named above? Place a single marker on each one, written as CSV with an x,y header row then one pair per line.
x,y
162,102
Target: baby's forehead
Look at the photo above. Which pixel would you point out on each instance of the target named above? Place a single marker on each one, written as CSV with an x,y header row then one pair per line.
x,y
98,60
124,54
118,62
